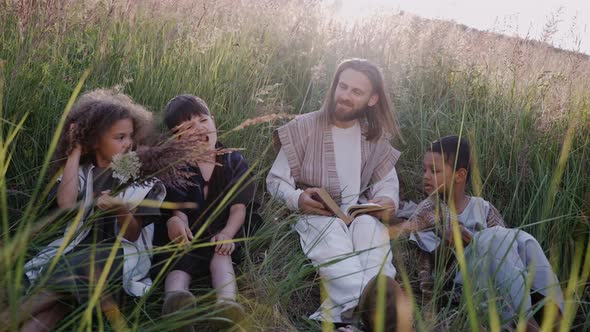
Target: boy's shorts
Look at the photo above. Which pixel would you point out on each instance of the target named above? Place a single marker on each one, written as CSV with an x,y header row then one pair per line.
x,y
195,262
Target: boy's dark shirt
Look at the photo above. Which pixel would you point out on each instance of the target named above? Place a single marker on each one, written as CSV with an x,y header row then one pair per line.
x,y
232,168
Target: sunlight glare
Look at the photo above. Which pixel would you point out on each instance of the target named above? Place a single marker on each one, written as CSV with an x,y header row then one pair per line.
x,y
351,11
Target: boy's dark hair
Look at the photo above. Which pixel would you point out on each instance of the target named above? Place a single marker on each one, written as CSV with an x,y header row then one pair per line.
x,y
368,305
456,152
182,108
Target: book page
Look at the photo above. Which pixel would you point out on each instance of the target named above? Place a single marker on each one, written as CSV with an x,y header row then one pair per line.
x,y
359,209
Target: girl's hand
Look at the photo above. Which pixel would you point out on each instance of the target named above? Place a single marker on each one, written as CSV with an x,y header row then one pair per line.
x,y
224,249
178,230
106,202
75,146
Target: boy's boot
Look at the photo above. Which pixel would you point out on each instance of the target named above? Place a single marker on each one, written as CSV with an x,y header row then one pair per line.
x,y
179,302
231,316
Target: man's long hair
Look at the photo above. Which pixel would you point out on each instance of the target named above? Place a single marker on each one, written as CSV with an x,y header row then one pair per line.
x,y
381,117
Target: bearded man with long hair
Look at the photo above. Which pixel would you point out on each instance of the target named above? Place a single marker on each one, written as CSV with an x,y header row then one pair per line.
x,y
344,149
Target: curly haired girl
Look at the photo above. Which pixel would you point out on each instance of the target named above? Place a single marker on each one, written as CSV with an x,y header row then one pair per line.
x,y
109,248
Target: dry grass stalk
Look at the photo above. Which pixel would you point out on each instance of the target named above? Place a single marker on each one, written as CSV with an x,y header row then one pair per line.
x,y
262,119
171,159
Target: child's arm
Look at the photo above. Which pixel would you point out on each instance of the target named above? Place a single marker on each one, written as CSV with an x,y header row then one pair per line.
x,y
402,229
465,234
67,189
134,225
178,229
237,210
237,216
424,218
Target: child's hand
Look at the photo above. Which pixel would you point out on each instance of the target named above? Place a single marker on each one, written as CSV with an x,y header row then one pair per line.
x,y
106,202
75,146
389,205
466,236
398,230
178,230
224,249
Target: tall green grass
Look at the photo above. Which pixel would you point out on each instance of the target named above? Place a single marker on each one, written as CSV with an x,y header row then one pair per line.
x,y
525,108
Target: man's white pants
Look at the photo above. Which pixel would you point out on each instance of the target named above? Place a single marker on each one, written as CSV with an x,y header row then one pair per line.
x,y
347,258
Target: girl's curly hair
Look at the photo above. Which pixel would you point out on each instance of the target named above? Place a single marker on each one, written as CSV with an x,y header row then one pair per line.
x,y
92,115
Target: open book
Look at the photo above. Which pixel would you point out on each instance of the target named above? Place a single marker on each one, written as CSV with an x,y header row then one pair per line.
x,y
352,212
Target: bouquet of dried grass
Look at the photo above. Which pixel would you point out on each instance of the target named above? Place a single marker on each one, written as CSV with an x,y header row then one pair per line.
x,y
169,161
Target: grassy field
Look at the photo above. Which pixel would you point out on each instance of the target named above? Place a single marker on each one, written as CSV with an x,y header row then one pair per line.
x,y
524,105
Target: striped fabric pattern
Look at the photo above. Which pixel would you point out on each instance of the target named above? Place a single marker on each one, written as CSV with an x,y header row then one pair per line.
x,y
308,143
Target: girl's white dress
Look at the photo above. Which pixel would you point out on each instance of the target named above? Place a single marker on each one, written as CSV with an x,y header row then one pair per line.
x,y
137,254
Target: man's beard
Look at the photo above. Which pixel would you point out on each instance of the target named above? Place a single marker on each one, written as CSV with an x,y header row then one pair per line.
x,y
348,115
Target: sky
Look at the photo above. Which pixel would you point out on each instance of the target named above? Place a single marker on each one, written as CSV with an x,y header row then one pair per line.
x,y
525,18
